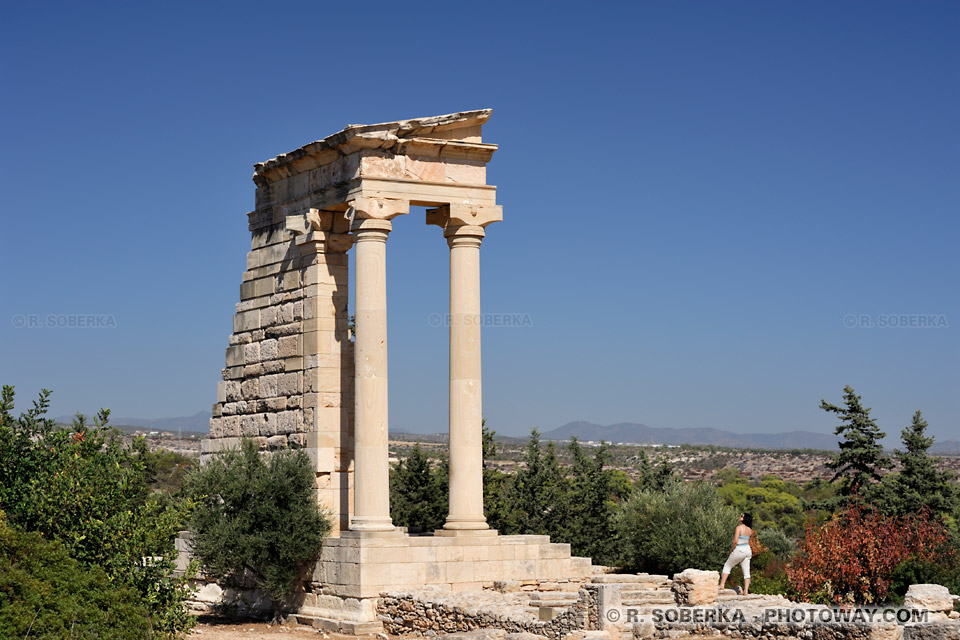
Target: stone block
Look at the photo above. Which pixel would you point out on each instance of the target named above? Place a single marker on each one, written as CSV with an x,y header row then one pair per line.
x,y
461,571
694,587
235,356
289,422
269,349
231,426
932,631
251,353
289,346
268,385
249,426
288,384
231,391
246,321
269,316
421,554
450,554
250,389
929,597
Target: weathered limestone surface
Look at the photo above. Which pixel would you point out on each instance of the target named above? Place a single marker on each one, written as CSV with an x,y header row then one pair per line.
x,y
694,587
357,566
930,597
932,631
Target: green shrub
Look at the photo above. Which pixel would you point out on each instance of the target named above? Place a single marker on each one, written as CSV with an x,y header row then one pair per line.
x,y
44,593
781,546
81,487
257,516
687,525
945,571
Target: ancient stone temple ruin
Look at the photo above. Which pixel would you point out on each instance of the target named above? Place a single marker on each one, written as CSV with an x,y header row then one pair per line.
x,y
294,378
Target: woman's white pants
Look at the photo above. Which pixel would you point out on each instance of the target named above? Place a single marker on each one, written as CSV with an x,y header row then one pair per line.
x,y
740,554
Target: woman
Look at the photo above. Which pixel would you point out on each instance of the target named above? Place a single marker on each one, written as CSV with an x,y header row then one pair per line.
x,y
740,552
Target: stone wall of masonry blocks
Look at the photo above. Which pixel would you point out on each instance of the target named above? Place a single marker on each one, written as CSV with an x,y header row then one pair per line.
x,y
355,567
288,381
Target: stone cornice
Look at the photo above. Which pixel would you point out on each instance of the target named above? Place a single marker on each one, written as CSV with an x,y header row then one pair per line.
x,y
429,137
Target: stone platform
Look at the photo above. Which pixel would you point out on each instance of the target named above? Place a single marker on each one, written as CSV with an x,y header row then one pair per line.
x,y
356,568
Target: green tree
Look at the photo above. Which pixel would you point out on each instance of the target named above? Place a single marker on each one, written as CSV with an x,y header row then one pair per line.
x,y
919,485
654,475
81,487
418,492
594,494
861,455
685,525
499,503
541,490
258,517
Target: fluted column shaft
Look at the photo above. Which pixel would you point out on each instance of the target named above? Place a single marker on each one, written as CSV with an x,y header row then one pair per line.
x,y
466,408
371,473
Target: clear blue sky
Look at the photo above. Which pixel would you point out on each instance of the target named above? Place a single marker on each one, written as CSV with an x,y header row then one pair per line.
x,y
695,195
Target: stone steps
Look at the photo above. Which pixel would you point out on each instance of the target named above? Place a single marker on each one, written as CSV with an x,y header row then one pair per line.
x,y
629,578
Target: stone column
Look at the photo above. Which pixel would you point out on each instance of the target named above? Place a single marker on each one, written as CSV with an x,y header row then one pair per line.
x,y
371,471
466,407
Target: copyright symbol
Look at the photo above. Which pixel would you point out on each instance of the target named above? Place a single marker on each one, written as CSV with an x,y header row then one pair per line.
x,y
19,321
613,615
435,319
849,321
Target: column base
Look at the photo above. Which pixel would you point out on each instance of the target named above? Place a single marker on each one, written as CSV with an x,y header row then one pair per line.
x,y
472,523
466,533
371,524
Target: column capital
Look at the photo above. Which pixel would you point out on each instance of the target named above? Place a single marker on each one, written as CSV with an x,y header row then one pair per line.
x,y
465,215
319,231
370,230
376,208
466,235
324,242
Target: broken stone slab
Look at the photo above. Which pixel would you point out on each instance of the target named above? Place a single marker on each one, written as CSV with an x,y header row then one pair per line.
x,y
506,586
695,587
929,597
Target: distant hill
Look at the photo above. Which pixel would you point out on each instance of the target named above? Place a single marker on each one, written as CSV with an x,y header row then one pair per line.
x,y
199,421
947,446
643,434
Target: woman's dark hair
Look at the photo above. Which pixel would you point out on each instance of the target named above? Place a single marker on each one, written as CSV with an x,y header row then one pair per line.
x,y
748,520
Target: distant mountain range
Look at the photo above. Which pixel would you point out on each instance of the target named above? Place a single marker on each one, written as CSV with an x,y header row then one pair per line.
x,y
199,421
620,432
643,434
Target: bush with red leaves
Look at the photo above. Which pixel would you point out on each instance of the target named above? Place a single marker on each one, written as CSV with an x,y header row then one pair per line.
x,y
851,558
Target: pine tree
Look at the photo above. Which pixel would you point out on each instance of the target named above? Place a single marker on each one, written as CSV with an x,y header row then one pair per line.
x,y
540,489
418,492
861,455
920,484
499,504
591,528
